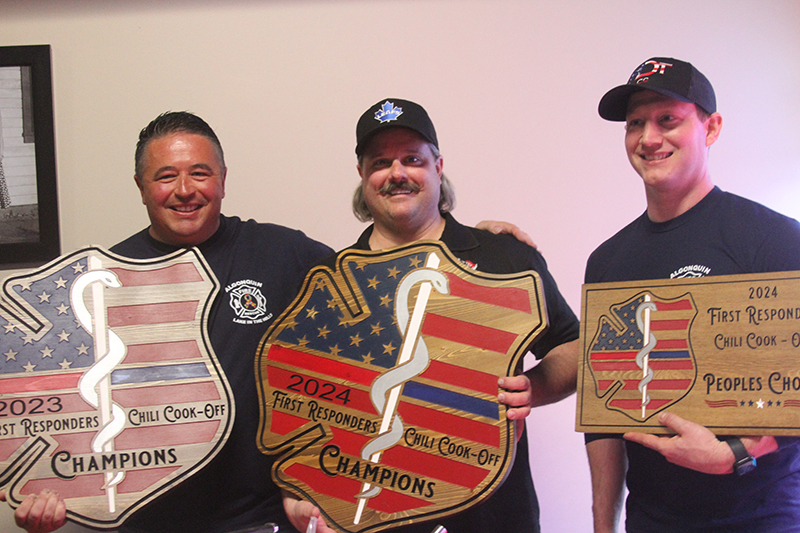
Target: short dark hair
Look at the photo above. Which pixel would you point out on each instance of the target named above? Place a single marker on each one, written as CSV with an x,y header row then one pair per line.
x,y
174,122
702,114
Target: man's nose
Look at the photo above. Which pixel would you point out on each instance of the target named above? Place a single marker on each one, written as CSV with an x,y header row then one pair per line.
x,y
398,170
185,186
651,135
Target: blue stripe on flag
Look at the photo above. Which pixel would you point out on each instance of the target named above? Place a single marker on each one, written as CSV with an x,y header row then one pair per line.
x,y
159,373
446,398
676,354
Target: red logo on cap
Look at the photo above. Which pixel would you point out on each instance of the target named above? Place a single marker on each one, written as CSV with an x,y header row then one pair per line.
x,y
658,68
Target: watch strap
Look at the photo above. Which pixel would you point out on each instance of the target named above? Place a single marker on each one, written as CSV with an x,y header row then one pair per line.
x,y
743,462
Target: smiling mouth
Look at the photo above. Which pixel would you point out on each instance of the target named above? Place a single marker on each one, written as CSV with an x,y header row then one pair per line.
x,y
185,208
395,189
655,157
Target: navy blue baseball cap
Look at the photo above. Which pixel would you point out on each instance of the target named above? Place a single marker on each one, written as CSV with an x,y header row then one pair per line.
x,y
391,113
664,75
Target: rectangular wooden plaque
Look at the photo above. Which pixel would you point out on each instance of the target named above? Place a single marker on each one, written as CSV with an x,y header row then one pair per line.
x,y
722,351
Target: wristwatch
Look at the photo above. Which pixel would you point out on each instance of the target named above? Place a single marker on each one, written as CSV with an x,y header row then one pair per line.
x,y
743,462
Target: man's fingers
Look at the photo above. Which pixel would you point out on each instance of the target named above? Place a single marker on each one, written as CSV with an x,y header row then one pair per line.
x,y
51,502
515,383
675,422
645,439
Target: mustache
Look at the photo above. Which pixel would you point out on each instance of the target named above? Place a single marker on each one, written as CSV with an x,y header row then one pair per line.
x,y
393,186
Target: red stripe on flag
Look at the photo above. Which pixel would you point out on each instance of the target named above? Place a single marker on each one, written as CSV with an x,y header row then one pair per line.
x,y
338,487
159,395
159,313
162,351
680,305
636,404
179,273
9,446
614,365
39,383
450,424
75,441
430,465
508,297
461,377
167,435
671,344
604,384
314,363
496,340
660,384
284,423
667,325
599,356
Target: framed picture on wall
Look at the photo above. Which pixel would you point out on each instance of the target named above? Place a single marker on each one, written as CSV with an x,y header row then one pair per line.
x,y
29,233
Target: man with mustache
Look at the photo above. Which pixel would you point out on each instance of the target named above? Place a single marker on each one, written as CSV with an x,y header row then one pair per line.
x,y
693,481
405,193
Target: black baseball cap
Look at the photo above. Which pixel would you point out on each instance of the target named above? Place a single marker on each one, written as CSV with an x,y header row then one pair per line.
x,y
665,75
392,113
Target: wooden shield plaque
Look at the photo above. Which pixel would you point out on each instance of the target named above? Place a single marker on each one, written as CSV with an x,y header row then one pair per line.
x,y
110,393
722,351
379,385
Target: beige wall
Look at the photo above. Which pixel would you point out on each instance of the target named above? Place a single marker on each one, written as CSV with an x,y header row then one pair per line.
x,y
512,87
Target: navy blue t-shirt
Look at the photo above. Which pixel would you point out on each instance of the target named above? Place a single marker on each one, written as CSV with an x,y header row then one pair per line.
x,y
723,234
235,490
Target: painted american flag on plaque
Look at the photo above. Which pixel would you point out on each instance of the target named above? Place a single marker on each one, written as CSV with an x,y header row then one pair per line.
x,y
110,393
379,385
640,357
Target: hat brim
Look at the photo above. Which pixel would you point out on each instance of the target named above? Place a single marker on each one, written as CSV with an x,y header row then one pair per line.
x,y
614,104
367,137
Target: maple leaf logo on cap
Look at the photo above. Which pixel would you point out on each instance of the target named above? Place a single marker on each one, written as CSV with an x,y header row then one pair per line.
x,y
388,112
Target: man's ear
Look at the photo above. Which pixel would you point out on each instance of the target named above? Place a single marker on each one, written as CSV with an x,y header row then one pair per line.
x,y
713,128
440,166
140,185
224,175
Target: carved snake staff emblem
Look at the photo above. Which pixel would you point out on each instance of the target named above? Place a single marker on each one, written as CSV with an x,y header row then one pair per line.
x,y
649,341
411,362
95,384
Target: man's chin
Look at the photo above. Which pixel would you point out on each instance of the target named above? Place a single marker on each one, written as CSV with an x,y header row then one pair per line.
x,y
183,235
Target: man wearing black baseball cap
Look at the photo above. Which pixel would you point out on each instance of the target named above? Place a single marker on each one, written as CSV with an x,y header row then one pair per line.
x,y
692,481
405,193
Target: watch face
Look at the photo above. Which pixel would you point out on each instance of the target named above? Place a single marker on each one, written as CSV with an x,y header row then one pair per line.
x,y
745,465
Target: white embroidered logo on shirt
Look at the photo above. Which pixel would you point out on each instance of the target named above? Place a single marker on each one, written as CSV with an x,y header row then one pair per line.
x,y
247,301
691,271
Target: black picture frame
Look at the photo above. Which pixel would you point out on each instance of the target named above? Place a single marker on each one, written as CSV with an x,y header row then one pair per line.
x,y
39,239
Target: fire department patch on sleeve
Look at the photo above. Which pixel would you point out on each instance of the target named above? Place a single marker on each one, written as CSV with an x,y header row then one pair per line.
x,y
110,393
378,385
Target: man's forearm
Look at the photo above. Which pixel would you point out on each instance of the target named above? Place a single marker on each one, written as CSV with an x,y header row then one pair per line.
x,y
554,378
607,464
